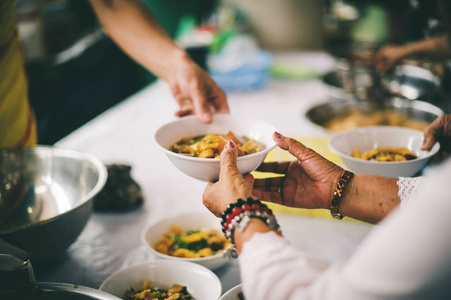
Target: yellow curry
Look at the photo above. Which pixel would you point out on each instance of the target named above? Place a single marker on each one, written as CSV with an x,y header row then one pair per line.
x,y
192,243
385,154
211,145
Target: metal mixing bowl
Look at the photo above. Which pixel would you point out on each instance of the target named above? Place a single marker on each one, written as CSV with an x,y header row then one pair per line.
x,y
412,82
323,114
57,291
351,80
46,197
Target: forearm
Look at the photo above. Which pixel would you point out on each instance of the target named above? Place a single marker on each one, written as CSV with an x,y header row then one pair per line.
x,y
436,46
369,198
131,25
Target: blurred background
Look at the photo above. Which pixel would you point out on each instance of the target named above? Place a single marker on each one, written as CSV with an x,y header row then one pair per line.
x,y
76,72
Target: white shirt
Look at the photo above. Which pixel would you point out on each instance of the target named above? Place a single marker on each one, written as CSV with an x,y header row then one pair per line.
x,y
406,256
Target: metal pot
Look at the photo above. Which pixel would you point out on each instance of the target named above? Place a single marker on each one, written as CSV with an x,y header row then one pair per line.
x,y
412,82
46,197
323,114
17,281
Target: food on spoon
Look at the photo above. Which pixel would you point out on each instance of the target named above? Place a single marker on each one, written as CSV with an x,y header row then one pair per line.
x,y
195,243
150,291
385,154
211,145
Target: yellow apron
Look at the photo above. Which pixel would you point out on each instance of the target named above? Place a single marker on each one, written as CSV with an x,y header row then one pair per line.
x,y
17,122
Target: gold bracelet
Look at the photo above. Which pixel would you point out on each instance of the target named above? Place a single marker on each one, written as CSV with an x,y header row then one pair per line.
x,y
336,198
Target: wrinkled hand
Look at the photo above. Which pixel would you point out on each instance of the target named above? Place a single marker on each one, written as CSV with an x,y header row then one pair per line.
x,y
388,56
197,93
438,131
231,184
308,181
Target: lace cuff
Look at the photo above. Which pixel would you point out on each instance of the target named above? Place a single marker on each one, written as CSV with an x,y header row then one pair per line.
x,y
407,188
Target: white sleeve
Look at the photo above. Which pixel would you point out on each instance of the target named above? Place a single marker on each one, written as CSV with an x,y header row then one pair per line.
x,y
408,188
407,256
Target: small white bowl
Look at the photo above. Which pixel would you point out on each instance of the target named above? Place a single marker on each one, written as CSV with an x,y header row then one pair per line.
x,y
372,137
201,283
207,169
233,293
154,233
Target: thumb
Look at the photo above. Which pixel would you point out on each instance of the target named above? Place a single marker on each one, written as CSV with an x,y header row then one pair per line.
x,y
228,162
428,142
297,149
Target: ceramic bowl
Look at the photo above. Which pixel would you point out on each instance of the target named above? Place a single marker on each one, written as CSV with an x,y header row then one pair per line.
x,y
207,169
154,233
367,138
233,293
201,283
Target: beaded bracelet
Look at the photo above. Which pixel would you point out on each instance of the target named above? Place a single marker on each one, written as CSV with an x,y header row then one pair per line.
x,y
238,215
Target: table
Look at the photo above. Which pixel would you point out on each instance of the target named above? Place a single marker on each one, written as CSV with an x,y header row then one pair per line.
x,y
124,134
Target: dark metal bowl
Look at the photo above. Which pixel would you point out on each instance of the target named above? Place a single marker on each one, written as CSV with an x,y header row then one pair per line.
x,y
322,114
412,82
56,291
352,79
46,197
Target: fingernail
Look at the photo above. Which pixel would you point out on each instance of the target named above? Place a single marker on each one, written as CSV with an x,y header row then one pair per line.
x,y
206,117
278,135
230,144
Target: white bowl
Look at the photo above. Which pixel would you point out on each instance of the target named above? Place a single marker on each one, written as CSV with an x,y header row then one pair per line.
x,y
367,138
154,233
233,293
201,283
207,169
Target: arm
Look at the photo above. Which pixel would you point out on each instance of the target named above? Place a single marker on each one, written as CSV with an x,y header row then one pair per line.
x,y
131,25
406,257
439,46
389,55
309,182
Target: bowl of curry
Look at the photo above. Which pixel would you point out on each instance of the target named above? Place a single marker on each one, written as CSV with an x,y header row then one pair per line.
x,y
389,151
194,147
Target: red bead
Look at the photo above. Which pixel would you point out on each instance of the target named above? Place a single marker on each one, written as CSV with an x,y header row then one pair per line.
x,y
245,207
255,206
236,211
229,218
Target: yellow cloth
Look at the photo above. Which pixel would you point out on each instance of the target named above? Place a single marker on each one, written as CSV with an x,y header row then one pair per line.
x,y
17,122
319,144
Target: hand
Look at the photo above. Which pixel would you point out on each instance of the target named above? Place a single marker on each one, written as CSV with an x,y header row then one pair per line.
x,y
389,55
308,182
231,184
439,130
197,93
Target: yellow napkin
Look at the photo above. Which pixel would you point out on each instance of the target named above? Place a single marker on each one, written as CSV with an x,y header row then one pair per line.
x,y
319,144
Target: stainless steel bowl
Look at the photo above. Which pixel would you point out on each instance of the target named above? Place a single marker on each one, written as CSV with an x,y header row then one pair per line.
x,y
46,197
338,109
56,291
351,80
412,82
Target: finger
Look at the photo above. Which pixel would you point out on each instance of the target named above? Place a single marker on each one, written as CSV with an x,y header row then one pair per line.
x,y
268,196
220,104
249,179
428,142
274,167
183,112
431,132
269,182
297,149
201,107
229,161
